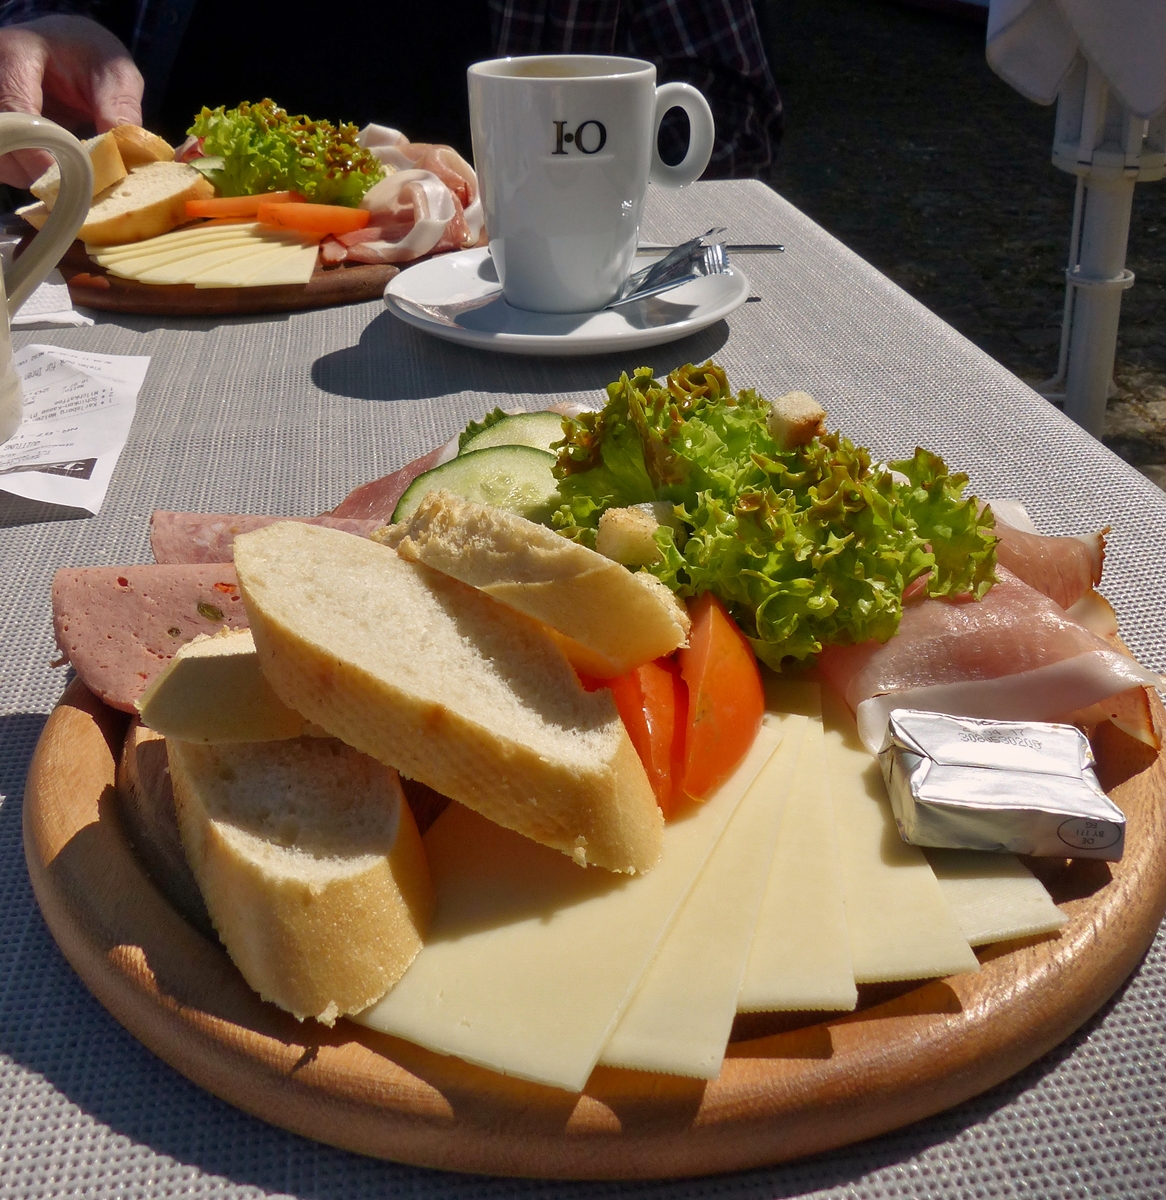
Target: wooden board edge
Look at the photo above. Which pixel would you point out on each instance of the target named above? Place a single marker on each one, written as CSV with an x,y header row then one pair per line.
x,y
378,1096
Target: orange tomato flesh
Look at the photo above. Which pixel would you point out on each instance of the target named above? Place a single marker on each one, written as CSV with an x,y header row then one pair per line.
x,y
237,206
314,218
651,702
726,700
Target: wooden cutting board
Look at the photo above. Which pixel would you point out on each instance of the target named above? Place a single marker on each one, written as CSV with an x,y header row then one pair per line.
x,y
792,1085
93,287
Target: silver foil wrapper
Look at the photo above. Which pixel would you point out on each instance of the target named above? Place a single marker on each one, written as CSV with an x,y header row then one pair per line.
x,y
1024,787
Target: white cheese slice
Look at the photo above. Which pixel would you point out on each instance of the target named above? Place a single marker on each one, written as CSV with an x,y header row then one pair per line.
x,y
993,896
680,1018
800,956
297,267
531,960
235,271
899,923
160,256
194,235
190,266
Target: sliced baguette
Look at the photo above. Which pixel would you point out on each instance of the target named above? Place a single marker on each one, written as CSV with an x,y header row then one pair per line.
x,y
139,146
618,620
108,169
149,201
455,690
212,691
311,867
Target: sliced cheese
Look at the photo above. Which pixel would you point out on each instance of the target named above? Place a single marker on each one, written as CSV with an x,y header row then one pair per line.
x,y
993,896
899,924
189,267
292,267
161,255
680,1018
190,235
800,955
531,960
213,691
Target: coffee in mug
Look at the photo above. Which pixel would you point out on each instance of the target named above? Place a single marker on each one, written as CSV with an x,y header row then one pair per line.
x,y
564,146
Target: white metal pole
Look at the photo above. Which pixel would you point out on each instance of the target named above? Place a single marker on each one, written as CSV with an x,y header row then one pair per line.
x,y
1099,280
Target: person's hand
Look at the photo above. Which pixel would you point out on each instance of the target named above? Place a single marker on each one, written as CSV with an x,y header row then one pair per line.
x,y
71,70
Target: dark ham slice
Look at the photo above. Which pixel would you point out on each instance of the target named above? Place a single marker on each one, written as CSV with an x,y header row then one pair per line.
x,y
1015,655
1062,568
119,626
376,500
186,537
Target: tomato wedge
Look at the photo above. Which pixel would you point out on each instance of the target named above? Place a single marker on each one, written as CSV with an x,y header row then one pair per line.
x,y
314,218
237,206
652,700
726,700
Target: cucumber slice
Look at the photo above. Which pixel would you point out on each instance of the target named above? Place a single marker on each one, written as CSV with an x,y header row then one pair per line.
x,y
516,478
538,429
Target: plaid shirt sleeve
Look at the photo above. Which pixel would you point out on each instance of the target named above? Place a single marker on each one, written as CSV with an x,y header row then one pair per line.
x,y
715,45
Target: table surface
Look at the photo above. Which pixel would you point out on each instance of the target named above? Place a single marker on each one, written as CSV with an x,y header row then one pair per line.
x,y
286,414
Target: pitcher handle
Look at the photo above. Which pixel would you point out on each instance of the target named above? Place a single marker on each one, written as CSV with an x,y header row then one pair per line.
x,y
19,131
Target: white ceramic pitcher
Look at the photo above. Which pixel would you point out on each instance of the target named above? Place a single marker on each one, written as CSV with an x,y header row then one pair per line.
x,y
19,131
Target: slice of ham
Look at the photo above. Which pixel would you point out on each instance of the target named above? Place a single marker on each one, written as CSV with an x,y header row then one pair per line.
x,y
1062,568
119,626
188,537
1015,655
376,500
433,207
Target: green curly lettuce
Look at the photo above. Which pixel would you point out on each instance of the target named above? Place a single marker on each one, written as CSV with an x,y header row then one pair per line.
x,y
266,149
807,547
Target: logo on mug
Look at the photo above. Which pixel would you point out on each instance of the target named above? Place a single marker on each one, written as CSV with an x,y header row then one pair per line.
x,y
589,138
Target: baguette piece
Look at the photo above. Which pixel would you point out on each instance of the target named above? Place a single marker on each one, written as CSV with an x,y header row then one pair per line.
x,y
617,619
108,169
139,146
149,201
455,690
311,867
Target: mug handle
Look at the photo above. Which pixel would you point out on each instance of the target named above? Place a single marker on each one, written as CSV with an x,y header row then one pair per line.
x,y
700,139
19,131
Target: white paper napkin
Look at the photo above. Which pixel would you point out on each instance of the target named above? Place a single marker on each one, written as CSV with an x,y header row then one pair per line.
x,y
50,304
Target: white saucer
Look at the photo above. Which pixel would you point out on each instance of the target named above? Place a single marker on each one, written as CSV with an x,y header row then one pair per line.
x,y
469,274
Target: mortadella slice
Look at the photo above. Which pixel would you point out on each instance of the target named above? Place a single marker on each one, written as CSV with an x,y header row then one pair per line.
x,y
119,626
376,500
188,537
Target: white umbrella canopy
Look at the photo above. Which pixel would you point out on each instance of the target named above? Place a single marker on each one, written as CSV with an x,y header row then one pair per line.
x,y
1104,62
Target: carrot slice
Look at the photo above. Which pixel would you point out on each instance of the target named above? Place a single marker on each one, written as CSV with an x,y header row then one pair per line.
x,y
237,206
726,700
651,702
315,218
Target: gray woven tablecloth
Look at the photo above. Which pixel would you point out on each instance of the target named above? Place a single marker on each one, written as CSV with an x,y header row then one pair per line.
x,y
286,414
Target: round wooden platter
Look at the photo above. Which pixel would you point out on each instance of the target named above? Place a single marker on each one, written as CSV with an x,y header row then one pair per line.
x,y
93,287
788,1088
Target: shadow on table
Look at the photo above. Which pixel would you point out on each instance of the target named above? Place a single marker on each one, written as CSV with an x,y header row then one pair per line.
x,y
394,361
16,510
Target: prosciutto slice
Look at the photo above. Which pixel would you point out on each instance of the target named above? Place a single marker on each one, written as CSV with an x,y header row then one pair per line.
x,y
433,207
188,537
1062,568
376,500
1015,655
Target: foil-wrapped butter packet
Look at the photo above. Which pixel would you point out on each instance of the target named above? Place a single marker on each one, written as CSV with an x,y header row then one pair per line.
x,y
1024,787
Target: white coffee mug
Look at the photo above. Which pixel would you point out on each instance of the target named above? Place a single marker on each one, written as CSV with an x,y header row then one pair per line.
x,y
565,145
19,131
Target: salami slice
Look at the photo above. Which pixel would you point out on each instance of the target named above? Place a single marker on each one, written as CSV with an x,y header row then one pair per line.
x,y
188,537
119,626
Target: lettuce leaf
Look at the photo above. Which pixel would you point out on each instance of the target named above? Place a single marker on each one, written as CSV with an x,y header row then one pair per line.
x,y
265,149
807,547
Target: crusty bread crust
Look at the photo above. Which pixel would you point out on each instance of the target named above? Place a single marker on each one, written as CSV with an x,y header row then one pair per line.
x,y
108,169
452,688
311,866
582,595
139,146
149,201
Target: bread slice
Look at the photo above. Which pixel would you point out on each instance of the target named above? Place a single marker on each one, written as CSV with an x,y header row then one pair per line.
x,y
455,690
618,620
149,201
212,691
139,146
311,867
795,419
108,169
